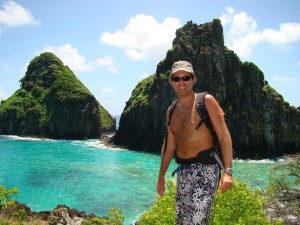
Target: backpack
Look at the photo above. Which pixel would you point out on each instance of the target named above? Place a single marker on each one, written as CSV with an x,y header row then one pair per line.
x,y
203,113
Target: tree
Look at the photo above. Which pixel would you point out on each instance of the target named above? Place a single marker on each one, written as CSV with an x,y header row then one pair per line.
x,y
9,212
283,192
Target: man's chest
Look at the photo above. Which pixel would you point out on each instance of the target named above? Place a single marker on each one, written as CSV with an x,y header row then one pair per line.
x,y
184,122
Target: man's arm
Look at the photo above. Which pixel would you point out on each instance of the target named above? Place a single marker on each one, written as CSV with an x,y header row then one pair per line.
x,y
166,157
217,118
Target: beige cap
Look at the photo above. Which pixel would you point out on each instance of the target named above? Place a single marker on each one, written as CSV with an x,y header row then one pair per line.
x,y
181,65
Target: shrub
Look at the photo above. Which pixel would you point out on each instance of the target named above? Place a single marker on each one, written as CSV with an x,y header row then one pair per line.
x,y
163,212
240,205
9,213
283,192
115,218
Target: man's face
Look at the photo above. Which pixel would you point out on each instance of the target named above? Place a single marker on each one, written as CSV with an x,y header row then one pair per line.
x,y
182,82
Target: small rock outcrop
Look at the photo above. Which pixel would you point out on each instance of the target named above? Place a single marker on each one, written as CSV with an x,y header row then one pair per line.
x,y
261,123
62,215
53,103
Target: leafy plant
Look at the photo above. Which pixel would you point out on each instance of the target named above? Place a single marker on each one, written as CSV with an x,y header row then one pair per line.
x,y
240,205
139,96
283,192
163,212
9,212
115,217
106,119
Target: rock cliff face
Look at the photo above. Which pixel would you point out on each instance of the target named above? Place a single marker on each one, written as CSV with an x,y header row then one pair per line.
x,y
261,123
53,103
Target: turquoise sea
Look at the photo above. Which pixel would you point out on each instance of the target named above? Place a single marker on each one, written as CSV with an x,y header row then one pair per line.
x,y
91,177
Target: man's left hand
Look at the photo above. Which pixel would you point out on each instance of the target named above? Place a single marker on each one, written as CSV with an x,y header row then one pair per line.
x,y
226,182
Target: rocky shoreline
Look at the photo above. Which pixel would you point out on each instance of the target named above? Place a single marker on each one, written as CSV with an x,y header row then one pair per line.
x,y
61,215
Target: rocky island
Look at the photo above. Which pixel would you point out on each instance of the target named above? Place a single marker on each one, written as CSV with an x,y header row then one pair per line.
x,y
261,123
53,103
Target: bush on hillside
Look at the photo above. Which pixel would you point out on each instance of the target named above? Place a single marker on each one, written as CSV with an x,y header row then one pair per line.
x,y
115,217
240,205
163,212
283,192
9,212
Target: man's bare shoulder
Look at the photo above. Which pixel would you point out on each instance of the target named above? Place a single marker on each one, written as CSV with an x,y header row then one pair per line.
x,y
210,99
212,105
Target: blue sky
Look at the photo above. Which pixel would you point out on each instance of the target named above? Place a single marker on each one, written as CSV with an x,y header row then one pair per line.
x,y
111,45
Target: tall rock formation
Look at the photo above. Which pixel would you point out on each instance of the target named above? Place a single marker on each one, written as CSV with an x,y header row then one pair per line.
x,y
261,123
53,103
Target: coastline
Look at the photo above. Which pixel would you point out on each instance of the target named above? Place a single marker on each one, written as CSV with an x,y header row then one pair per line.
x,y
62,214
130,169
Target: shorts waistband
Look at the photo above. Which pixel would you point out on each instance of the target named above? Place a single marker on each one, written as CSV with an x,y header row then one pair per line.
x,y
204,157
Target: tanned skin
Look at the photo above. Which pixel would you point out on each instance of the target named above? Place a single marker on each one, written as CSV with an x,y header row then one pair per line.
x,y
186,140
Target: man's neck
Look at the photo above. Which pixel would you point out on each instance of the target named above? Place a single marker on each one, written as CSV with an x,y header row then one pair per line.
x,y
183,99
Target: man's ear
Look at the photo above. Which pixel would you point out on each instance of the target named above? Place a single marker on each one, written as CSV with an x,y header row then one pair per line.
x,y
194,80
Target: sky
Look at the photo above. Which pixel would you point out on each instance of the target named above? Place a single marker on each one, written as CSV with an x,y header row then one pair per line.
x,y
111,45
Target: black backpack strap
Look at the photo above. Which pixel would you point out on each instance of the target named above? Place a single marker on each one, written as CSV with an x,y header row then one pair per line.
x,y
201,109
172,108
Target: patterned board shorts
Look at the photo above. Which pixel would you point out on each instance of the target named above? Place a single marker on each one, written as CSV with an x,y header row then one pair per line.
x,y
196,190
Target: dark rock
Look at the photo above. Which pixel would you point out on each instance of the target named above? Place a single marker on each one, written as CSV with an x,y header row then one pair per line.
x,y
62,214
53,103
262,124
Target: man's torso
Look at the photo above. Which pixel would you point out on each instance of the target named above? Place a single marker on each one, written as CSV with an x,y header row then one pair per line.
x,y
189,141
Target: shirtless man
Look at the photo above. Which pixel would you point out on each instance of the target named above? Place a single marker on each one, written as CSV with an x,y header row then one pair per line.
x,y
197,183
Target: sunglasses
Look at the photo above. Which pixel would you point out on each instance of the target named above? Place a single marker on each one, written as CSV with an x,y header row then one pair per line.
x,y
184,78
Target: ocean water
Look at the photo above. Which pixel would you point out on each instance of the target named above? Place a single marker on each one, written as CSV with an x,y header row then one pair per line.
x,y
91,177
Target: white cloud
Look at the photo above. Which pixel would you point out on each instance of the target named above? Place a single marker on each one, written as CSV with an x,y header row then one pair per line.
x,y
243,34
288,33
13,15
76,62
283,79
70,57
108,62
108,90
144,38
227,18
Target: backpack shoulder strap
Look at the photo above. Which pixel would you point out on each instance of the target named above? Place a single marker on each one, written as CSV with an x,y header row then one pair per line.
x,y
172,108
201,109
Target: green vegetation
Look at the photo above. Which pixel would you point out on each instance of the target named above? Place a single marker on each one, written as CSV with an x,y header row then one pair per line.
x,y
115,218
240,205
272,93
163,212
46,90
106,119
46,85
46,75
252,66
140,94
283,193
9,213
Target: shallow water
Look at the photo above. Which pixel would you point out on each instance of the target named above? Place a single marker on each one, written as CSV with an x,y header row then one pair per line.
x,y
91,177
